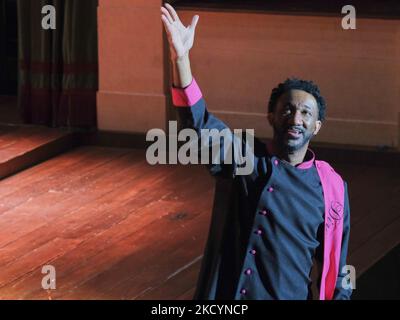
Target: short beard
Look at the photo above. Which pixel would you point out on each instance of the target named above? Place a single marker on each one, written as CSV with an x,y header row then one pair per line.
x,y
307,136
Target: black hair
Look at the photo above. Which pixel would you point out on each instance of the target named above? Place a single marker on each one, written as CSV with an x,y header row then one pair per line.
x,y
294,83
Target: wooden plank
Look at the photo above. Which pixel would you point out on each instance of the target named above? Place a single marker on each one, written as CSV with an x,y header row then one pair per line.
x,y
70,222
170,182
166,252
73,232
89,219
54,201
139,231
188,295
91,248
149,264
25,138
25,146
176,286
55,182
55,165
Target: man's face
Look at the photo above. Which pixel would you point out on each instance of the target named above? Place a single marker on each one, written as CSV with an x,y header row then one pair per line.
x,y
295,119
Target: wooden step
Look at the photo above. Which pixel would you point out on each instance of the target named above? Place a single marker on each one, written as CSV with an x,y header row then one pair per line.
x,y
22,146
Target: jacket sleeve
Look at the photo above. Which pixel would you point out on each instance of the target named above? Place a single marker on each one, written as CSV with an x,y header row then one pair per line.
x,y
193,114
340,292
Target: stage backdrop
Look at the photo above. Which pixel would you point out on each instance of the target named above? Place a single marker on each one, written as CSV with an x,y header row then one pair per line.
x,y
58,69
239,56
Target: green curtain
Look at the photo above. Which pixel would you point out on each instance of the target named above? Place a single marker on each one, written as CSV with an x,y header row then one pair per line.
x,y
58,69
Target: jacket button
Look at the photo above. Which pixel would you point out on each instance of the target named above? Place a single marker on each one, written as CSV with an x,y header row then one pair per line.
x,y
270,189
259,231
263,212
253,252
243,291
276,162
248,272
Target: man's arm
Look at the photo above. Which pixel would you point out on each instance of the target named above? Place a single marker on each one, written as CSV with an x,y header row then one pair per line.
x,y
193,114
180,40
186,94
340,292
181,72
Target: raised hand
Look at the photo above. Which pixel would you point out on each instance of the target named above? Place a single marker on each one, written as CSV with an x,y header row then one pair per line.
x,y
180,38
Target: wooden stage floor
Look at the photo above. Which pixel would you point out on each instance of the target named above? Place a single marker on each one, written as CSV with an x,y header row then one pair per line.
x,y
115,227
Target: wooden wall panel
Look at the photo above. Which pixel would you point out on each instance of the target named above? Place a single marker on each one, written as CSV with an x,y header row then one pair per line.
x,y
239,57
131,94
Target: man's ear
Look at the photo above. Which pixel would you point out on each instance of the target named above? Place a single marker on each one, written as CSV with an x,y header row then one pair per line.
x,y
318,125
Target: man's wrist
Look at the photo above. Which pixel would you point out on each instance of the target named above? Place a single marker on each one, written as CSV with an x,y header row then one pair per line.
x,y
182,60
182,71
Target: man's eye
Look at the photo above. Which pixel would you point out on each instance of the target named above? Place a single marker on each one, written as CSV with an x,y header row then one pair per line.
x,y
286,111
307,113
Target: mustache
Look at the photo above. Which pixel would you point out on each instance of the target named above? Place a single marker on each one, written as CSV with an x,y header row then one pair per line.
x,y
300,129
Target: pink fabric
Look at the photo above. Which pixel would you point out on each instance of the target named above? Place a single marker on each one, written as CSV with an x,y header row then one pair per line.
x,y
304,165
307,164
333,187
186,97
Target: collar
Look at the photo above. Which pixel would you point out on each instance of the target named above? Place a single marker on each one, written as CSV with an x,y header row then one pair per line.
x,y
309,157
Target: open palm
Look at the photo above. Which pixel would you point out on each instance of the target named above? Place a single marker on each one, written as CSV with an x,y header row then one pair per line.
x,y
180,38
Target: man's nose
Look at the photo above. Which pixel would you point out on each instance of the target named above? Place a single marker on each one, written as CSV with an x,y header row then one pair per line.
x,y
296,119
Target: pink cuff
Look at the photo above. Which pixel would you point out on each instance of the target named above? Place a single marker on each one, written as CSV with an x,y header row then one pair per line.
x,y
186,97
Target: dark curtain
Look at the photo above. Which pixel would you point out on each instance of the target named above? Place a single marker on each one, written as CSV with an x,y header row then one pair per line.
x,y
58,69
2,45
8,47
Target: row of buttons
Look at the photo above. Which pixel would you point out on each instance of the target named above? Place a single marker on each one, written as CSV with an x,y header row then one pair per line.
x,y
271,189
259,232
248,271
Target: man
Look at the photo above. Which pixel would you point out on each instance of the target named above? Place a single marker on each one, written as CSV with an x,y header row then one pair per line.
x,y
290,216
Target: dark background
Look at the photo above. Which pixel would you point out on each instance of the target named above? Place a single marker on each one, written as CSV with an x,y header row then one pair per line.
x,y
8,47
364,8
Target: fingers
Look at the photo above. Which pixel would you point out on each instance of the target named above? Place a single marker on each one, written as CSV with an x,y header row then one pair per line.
x,y
167,15
195,20
172,11
166,23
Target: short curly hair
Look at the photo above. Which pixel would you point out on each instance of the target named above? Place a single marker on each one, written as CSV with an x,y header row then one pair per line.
x,y
299,84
